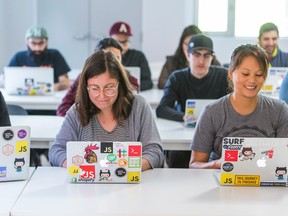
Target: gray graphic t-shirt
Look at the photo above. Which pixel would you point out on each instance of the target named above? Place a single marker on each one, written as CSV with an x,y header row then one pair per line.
x,y
219,120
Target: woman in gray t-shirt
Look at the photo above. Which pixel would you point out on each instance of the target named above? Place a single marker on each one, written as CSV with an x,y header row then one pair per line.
x,y
244,112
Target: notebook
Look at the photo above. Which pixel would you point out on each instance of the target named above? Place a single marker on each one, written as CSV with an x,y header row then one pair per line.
x,y
254,161
15,153
193,109
274,80
29,80
104,162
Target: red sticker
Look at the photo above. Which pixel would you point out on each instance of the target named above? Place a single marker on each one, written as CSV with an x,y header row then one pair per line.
x,y
231,155
134,151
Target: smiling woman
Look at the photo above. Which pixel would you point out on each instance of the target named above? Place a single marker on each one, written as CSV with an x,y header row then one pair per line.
x,y
242,113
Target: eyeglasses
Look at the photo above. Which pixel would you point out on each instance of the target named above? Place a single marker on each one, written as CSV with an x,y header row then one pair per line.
x,y
109,90
199,55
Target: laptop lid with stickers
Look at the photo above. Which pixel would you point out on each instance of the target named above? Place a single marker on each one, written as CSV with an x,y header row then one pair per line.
x,y
104,162
15,153
193,109
254,161
29,80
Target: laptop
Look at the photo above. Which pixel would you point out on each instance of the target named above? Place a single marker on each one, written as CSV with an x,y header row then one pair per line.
x,y
104,162
15,153
274,80
29,80
193,109
136,72
254,161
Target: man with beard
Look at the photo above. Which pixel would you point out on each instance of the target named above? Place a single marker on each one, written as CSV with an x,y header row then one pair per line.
x,y
38,55
268,40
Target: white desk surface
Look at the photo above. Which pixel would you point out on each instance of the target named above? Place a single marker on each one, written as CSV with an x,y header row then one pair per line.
x,y
43,128
35,102
161,192
153,96
173,134
9,193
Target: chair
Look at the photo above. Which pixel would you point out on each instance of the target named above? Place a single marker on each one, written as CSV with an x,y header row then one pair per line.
x,y
16,110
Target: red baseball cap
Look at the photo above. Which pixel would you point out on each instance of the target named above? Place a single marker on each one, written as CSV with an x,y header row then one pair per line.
x,y
120,28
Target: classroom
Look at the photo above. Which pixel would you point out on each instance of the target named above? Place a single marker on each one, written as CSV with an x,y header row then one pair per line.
x,y
214,134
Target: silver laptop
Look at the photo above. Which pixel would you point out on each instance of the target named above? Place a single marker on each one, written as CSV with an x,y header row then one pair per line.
x,y
136,72
193,109
29,80
254,161
274,80
104,162
15,153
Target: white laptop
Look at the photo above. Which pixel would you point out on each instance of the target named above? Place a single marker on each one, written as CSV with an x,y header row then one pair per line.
x,y
193,109
254,161
274,80
136,72
15,153
104,162
29,80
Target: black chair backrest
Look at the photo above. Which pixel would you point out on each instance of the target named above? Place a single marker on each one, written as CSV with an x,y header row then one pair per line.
x,y
16,110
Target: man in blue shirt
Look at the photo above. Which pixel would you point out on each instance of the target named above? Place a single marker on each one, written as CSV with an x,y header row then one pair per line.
x,y
38,55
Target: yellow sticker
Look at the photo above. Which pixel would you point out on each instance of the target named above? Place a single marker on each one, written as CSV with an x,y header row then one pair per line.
x,y
247,180
227,179
190,111
73,170
133,176
267,88
22,146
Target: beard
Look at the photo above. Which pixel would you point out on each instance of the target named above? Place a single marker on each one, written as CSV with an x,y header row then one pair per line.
x,y
38,56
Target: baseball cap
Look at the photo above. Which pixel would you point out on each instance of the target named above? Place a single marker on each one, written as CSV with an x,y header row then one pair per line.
x,y
200,41
120,28
36,32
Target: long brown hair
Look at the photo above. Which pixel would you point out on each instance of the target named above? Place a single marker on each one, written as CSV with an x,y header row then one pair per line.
x,y
98,63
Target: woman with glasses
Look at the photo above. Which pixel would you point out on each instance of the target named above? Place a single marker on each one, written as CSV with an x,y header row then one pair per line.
x,y
107,109
243,113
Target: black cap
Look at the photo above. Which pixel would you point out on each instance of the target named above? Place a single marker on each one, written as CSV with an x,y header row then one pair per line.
x,y
200,41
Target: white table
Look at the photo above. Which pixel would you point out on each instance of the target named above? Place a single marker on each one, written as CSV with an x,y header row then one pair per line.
x,y
10,191
35,102
43,128
161,192
153,96
173,134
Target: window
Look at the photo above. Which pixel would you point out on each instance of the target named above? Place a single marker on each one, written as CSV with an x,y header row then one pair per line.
x,y
240,18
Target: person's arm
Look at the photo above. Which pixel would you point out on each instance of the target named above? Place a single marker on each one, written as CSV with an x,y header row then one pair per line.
x,y
284,89
68,100
4,116
61,70
146,131
166,108
68,131
199,160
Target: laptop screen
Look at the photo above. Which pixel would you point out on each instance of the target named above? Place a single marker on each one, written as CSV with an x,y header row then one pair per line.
x,y
104,162
29,80
15,153
254,161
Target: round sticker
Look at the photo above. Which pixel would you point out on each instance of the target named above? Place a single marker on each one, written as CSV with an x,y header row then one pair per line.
x,y
122,162
227,167
111,157
73,170
8,134
22,134
120,172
